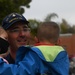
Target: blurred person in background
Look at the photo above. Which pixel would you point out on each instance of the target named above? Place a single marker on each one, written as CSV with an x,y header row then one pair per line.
x,y
3,41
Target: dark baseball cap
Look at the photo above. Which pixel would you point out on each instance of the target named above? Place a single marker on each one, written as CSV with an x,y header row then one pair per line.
x,y
12,18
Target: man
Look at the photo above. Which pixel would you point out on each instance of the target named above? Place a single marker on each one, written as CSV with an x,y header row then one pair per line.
x,y
45,58
18,32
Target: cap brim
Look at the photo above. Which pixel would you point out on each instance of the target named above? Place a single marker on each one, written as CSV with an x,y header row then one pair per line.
x,y
26,22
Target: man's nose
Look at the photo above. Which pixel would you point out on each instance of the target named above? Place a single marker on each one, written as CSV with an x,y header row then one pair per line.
x,y
21,33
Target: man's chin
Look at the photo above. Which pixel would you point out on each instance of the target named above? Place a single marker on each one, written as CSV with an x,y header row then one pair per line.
x,y
21,45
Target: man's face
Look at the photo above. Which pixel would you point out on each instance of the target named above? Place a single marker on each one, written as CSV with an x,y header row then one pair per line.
x,y
18,35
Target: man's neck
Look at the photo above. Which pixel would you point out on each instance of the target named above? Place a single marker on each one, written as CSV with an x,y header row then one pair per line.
x,y
13,54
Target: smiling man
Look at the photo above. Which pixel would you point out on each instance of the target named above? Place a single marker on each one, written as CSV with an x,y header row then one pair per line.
x,y
18,32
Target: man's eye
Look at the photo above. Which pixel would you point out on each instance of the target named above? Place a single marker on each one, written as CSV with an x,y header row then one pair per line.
x,y
26,29
19,30
16,30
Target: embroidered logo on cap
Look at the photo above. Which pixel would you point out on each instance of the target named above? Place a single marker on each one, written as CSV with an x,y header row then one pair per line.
x,y
13,15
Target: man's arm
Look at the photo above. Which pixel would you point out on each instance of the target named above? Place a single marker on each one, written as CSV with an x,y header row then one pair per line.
x,y
27,66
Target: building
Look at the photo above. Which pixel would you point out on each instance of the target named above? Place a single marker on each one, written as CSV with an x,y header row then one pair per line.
x,y
68,42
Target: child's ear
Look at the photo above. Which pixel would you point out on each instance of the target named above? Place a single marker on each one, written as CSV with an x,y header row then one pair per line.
x,y
58,42
36,39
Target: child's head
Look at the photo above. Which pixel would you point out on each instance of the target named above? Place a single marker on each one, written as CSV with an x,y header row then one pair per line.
x,y
48,31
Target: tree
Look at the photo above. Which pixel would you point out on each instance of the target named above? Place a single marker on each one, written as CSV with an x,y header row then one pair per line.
x,y
73,29
34,25
50,16
65,27
9,6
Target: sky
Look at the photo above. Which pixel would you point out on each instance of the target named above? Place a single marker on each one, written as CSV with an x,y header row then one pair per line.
x,y
39,9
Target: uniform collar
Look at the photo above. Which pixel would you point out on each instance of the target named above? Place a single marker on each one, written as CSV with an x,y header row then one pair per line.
x,y
38,44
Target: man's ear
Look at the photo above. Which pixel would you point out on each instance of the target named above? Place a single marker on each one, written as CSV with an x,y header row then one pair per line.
x,y
36,39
